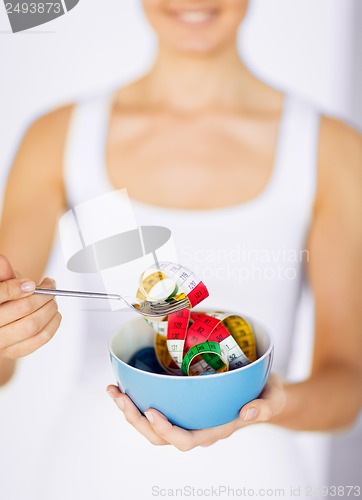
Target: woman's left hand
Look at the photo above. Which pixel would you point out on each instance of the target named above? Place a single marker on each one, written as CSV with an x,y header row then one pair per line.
x,y
159,431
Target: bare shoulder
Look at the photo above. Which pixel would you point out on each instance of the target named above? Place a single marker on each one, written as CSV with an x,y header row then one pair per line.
x,y
37,170
340,161
50,129
58,117
40,153
39,159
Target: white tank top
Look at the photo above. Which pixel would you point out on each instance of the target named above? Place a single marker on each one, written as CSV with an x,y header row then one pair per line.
x,y
249,255
245,256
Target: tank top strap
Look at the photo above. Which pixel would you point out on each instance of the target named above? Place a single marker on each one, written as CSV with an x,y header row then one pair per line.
x,y
84,157
296,164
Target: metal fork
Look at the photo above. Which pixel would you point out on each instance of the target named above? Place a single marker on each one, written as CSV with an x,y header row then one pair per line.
x,y
143,307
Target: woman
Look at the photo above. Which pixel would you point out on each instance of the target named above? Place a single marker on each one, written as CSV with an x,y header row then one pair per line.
x,y
215,148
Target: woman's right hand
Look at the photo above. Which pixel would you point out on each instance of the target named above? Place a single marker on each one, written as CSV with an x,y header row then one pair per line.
x,y
27,321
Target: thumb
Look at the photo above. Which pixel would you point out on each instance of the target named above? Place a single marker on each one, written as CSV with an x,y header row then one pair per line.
x,y
6,271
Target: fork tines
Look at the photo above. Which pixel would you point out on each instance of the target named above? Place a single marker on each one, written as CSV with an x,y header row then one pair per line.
x,y
175,305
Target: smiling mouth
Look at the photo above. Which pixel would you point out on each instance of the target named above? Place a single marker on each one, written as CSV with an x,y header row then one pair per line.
x,y
194,17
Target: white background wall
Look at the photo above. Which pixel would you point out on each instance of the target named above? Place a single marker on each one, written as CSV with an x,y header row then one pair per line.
x,y
306,46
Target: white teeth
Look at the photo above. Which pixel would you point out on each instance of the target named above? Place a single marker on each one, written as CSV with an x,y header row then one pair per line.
x,y
195,17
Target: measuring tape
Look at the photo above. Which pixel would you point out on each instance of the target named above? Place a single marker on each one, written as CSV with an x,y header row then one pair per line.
x,y
194,342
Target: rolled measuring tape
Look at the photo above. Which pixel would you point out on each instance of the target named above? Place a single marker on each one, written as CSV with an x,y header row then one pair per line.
x,y
194,342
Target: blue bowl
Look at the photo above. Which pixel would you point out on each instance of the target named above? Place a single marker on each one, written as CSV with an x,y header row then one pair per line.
x,y
189,402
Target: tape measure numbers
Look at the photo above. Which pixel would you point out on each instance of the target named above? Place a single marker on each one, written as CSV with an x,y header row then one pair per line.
x,y
194,342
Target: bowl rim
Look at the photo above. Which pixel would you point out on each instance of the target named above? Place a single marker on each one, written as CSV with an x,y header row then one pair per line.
x,y
222,374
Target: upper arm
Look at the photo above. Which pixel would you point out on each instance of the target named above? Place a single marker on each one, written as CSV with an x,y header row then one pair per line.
x,y
335,248
34,194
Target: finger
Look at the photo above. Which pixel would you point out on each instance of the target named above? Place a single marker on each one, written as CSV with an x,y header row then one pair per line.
x,y
186,440
28,346
12,287
269,404
180,438
20,308
47,283
257,411
6,270
15,289
27,327
134,416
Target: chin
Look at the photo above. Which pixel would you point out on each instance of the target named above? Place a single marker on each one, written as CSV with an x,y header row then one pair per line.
x,y
205,42
196,47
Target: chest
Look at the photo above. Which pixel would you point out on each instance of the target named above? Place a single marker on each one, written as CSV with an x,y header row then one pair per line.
x,y
206,162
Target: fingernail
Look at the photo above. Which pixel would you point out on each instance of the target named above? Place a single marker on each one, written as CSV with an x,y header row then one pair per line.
x,y
110,394
250,414
27,286
149,417
120,403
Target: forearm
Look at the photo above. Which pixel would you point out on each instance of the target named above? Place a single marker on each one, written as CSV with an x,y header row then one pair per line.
x,y
7,369
329,400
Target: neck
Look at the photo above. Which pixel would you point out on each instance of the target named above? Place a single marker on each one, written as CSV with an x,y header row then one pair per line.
x,y
191,83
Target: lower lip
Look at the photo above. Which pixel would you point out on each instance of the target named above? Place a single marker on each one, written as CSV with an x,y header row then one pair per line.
x,y
203,22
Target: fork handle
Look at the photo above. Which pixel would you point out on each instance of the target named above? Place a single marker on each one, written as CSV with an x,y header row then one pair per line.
x,y
75,293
